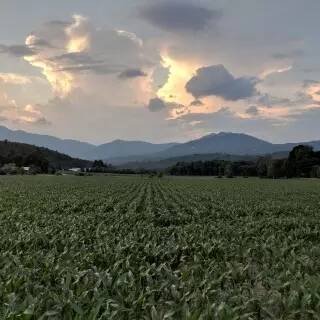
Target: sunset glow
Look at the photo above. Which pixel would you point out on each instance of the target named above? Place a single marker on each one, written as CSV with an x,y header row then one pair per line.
x,y
78,44
179,73
314,92
60,81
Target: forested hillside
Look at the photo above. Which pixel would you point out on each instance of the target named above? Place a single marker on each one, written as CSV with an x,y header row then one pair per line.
x,y
302,162
22,154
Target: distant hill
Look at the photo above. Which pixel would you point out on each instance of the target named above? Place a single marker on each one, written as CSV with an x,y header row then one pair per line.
x,y
121,148
25,154
213,146
229,143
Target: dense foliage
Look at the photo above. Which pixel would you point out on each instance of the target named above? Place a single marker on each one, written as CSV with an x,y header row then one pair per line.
x,y
172,248
302,162
44,159
98,166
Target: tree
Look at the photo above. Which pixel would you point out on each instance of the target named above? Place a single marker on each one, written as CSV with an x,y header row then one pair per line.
x,y
301,160
229,171
276,168
37,159
315,172
98,164
9,168
262,167
301,152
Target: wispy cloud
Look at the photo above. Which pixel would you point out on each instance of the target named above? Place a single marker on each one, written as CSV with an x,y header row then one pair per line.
x,y
272,71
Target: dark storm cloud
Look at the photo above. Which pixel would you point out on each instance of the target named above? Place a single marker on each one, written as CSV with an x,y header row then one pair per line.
x,y
218,81
178,16
17,50
156,104
132,73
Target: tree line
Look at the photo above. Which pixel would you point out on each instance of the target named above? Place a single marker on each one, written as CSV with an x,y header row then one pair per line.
x,y
302,161
99,166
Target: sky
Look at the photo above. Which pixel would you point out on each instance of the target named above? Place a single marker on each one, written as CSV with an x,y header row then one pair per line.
x,y
160,70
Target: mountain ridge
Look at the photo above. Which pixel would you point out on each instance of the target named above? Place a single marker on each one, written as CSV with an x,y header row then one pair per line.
x,y
123,151
219,143
83,150
123,148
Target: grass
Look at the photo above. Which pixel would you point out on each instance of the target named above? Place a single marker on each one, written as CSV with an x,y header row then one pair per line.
x,y
172,248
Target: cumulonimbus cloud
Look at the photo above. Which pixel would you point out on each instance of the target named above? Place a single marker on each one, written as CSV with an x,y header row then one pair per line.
x,y
77,55
218,81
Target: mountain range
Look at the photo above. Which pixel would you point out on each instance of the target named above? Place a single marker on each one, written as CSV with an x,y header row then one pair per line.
x,y
121,151
84,150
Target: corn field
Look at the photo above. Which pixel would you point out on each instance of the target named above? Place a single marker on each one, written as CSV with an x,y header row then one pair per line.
x,y
111,247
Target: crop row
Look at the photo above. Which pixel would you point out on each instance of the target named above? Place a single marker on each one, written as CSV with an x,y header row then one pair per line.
x,y
170,248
